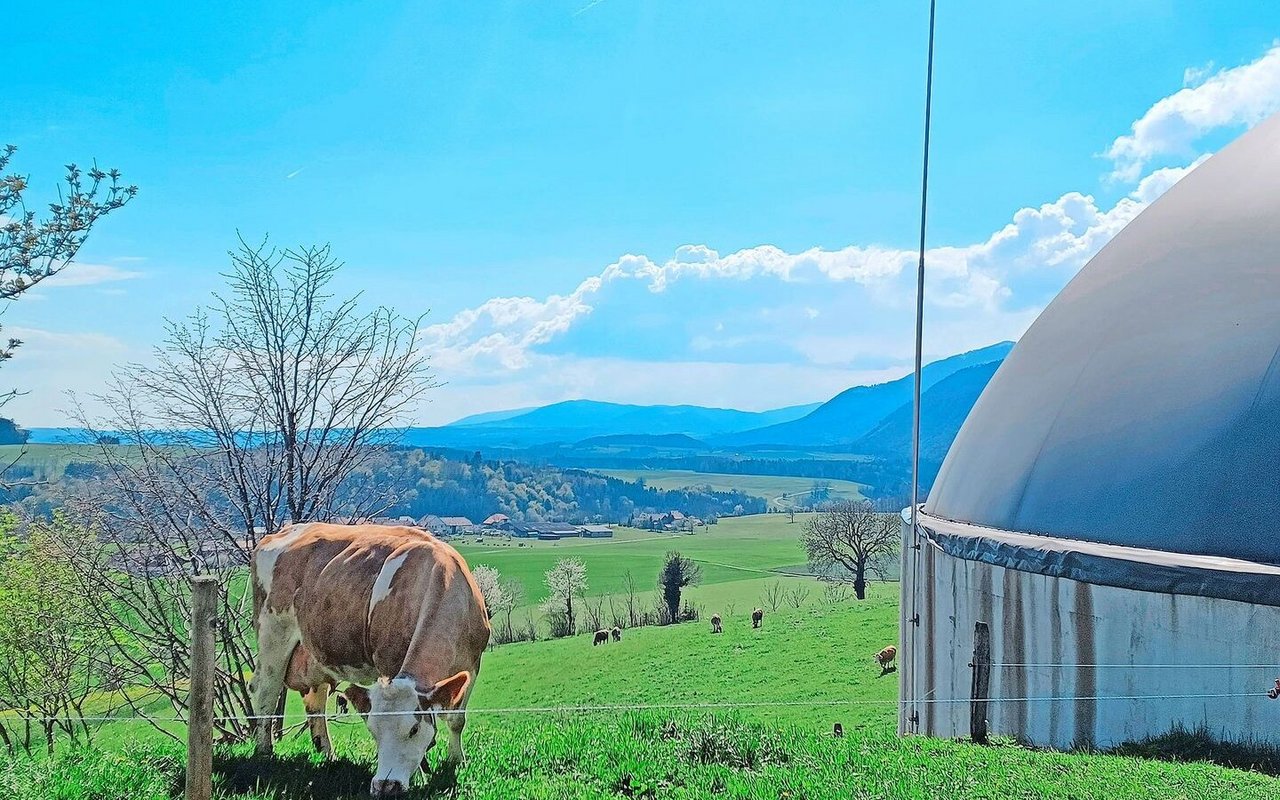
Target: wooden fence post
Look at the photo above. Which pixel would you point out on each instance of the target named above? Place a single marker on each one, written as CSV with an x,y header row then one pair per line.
x,y
204,621
981,682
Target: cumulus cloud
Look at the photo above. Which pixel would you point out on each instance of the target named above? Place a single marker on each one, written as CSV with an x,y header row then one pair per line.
x,y
1239,96
996,285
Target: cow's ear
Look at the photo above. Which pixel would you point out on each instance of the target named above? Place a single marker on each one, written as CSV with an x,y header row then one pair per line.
x,y
448,693
358,697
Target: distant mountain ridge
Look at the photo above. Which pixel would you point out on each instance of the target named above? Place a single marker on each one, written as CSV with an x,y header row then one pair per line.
x,y
852,414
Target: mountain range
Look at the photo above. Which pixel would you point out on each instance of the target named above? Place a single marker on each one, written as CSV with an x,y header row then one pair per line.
x,y
859,416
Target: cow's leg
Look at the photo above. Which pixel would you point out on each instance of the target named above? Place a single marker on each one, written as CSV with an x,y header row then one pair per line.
x,y
315,702
456,722
277,636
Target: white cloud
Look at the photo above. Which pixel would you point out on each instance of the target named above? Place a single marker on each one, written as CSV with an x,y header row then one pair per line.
x,y
81,274
991,285
1240,96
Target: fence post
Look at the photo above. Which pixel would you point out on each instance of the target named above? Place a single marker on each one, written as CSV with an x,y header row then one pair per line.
x,y
981,682
204,621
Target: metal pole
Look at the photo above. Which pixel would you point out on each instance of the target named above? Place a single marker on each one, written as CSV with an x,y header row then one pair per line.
x,y
204,622
915,406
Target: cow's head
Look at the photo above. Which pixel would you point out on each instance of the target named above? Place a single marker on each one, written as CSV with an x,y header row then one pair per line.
x,y
402,718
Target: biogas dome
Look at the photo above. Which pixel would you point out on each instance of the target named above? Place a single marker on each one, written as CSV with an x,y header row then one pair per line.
x,y
1111,507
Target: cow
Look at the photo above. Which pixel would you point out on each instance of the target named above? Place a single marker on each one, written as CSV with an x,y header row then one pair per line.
x,y
757,618
885,659
602,637
392,610
616,633
715,624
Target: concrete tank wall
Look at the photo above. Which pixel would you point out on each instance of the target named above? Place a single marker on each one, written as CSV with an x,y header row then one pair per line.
x,y
1035,619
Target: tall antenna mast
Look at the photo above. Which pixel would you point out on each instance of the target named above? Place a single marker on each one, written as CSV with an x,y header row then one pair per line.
x,y
915,405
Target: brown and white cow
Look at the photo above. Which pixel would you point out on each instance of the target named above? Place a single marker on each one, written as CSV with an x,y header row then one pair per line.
x,y
392,609
886,656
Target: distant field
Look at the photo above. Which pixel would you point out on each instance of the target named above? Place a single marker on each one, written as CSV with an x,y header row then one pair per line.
x,y
753,549
46,460
770,487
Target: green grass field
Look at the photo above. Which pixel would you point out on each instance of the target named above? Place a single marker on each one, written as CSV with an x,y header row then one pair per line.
x,y
667,713
737,549
770,487
815,653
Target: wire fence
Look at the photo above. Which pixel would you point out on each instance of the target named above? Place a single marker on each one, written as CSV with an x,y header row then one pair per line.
x,y
615,708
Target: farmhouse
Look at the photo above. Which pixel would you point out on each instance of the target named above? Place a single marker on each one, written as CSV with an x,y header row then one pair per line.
x,y
446,526
497,521
595,531
1109,507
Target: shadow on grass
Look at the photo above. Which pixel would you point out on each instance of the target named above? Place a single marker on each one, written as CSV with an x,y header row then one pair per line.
x,y
299,776
1183,745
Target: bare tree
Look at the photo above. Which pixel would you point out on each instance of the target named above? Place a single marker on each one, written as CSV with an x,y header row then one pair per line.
x,y
849,541
276,404
633,600
594,613
791,515
772,595
565,581
796,595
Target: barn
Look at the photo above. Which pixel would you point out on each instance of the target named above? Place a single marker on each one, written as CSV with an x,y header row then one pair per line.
x,y
1109,508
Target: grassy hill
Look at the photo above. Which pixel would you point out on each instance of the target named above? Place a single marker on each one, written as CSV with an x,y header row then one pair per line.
x,y
817,655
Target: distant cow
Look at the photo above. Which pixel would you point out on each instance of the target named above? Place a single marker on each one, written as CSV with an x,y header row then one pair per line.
x,y
602,637
757,618
715,624
885,658
1274,691
389,608
617,633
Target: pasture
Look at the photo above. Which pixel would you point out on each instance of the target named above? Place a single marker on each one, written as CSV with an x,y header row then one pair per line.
x,y
738,550
818,652
770,487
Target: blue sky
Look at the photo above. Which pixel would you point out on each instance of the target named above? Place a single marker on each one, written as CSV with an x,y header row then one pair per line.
x,y
708,202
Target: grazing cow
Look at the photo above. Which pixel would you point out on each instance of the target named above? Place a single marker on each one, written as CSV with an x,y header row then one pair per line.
x,y
389,608
885,658
1274,691
616,633
715,624
602,637
757,618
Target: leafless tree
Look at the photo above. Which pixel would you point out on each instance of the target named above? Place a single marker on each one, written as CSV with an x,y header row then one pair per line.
x,y
796,595
276,404
633,600
850,541
772,595
791,515
593,610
